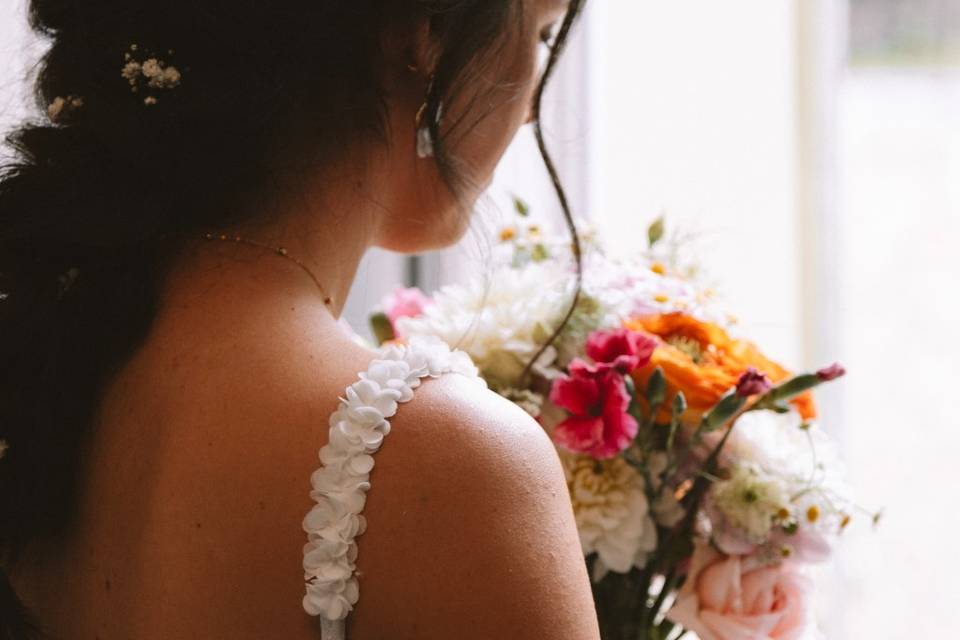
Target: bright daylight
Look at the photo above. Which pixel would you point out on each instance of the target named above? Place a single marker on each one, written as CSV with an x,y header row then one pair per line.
x,y
527,319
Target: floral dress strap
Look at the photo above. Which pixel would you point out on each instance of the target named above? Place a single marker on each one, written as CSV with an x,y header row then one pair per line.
x,y
339,487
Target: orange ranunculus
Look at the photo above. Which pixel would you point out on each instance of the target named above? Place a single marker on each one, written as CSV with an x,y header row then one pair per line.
x,y
704,362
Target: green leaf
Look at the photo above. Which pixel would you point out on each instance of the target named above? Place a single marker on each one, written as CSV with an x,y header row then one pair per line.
x,y
726,408
382,327
776,398
522,208
795,386
655,231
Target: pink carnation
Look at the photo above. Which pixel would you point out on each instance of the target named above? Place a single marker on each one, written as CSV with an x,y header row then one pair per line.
x,y
597,399
832,372
752,383
622,349
405,303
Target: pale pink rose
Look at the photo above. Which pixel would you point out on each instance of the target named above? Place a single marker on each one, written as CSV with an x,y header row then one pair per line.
x,y
405,303
737,598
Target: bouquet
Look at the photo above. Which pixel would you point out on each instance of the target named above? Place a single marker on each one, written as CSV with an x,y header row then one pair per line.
x,y
701,483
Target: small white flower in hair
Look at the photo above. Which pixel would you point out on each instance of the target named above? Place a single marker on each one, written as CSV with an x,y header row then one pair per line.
x,y
171,77
61,106
131,71
151,68
156,72
56,108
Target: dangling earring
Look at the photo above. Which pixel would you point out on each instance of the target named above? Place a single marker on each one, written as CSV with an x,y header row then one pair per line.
x,y
424,141
424,138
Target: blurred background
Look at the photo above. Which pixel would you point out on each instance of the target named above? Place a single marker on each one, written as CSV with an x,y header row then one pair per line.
x,y
812,150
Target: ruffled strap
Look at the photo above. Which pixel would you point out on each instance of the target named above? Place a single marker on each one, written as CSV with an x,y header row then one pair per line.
x,y
357,430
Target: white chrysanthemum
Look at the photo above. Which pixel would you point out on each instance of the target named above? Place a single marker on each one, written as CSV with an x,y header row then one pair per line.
x,y
612,513
500,322
804,467
782,444
750,500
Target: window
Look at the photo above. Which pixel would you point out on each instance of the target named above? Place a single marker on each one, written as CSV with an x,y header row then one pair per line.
x,y
814,146
899,224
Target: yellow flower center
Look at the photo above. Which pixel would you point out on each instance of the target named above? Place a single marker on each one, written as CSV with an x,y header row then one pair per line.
x,y
688,346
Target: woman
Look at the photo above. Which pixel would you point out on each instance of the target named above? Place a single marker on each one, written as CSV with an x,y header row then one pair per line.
x,y
176,243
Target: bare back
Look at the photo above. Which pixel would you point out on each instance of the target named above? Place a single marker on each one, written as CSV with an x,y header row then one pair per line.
x,y
197,483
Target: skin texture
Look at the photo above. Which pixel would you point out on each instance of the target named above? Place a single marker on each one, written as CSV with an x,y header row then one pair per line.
x,y
197,479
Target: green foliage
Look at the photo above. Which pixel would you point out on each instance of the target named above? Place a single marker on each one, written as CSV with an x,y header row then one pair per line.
x,y
777,397
381,327
656,231
521,206
729,405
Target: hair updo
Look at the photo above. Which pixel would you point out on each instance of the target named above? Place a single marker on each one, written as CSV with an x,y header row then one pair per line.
x,y
94,190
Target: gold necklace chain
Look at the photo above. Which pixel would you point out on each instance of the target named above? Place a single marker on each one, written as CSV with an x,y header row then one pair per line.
x,y
280,251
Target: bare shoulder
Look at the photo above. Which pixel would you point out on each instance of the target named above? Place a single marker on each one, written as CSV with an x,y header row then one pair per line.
x,y
470,527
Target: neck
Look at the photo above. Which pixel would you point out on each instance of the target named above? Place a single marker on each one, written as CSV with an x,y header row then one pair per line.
x,y
327,225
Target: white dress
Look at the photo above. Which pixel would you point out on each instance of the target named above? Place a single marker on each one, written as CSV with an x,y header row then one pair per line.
x,y
357,429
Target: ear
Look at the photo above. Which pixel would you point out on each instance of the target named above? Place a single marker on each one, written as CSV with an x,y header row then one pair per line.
x,y
409,47
424,48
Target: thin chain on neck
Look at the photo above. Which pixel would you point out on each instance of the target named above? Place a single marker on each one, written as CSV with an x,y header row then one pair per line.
x,y
280,251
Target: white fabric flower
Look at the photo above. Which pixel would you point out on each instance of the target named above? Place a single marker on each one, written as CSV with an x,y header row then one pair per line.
x,y
611,510
357,430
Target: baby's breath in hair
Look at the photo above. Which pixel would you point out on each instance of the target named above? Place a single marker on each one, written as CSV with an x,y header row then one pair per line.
x,y
62,107
152,73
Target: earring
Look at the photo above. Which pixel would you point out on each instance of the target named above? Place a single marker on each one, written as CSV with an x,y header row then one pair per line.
x,y
424,139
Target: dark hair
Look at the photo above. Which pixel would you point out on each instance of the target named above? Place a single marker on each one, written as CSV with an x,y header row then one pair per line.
x,y
87,201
